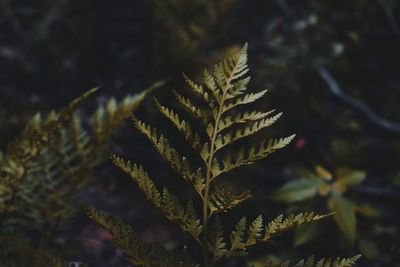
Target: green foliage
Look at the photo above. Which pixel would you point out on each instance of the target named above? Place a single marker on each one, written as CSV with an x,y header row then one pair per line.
x,y
63,42
191,32
52,261
225,122
368,248
311,262
182,38
48,164
333,187
136,251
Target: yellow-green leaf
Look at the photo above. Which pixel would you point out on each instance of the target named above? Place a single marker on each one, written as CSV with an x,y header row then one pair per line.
x,y
297,190
368,248
345,216
350,177
368,211
305,233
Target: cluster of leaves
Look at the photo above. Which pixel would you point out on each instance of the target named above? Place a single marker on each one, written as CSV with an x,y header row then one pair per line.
x,y
224,90
44,168
333,188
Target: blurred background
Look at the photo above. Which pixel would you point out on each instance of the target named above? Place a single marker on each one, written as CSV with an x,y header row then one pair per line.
x,y
332,67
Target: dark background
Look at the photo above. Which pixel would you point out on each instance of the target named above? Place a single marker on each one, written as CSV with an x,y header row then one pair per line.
x,y
333,68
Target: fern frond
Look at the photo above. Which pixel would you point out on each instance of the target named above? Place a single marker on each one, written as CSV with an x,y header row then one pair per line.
x,y
163,147
247,156
234,67
280,225
238,88
311,262
255,230
193,220
166,201
228,120
199,90
217,243
136,251
81,147
186,219
141,177
237,239
244,236
23,151
32,182
222,200
183,126
58,151
230,137
45,168
192,108
110,116
223,89
242,100
211,85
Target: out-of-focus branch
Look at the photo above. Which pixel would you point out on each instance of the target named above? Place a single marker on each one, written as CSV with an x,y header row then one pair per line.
x,y
283,5
334,87
380,192
390,17
14,22
374,118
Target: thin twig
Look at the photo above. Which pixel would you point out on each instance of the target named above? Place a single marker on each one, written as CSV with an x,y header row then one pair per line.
x,y
380,192
390,17
285,8
14,21
374,118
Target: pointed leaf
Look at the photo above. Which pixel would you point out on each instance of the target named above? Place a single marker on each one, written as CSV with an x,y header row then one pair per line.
x,y
222,200
163,147
297,190
350,177
217,244
183,126
344,216
193,110
280,225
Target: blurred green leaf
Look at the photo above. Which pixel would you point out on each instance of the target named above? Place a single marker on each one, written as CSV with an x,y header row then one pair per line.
x,y
345,216
368,211
368,248
272,260
305,233
350,177
297,190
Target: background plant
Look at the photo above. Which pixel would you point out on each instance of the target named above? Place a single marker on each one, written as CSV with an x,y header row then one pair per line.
x,y
43,171
334,189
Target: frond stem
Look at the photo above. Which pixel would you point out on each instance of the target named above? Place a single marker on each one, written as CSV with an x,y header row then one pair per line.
x,y
209,177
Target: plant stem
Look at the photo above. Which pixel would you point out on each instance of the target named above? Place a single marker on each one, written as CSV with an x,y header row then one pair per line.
x,y
207,191
209,175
